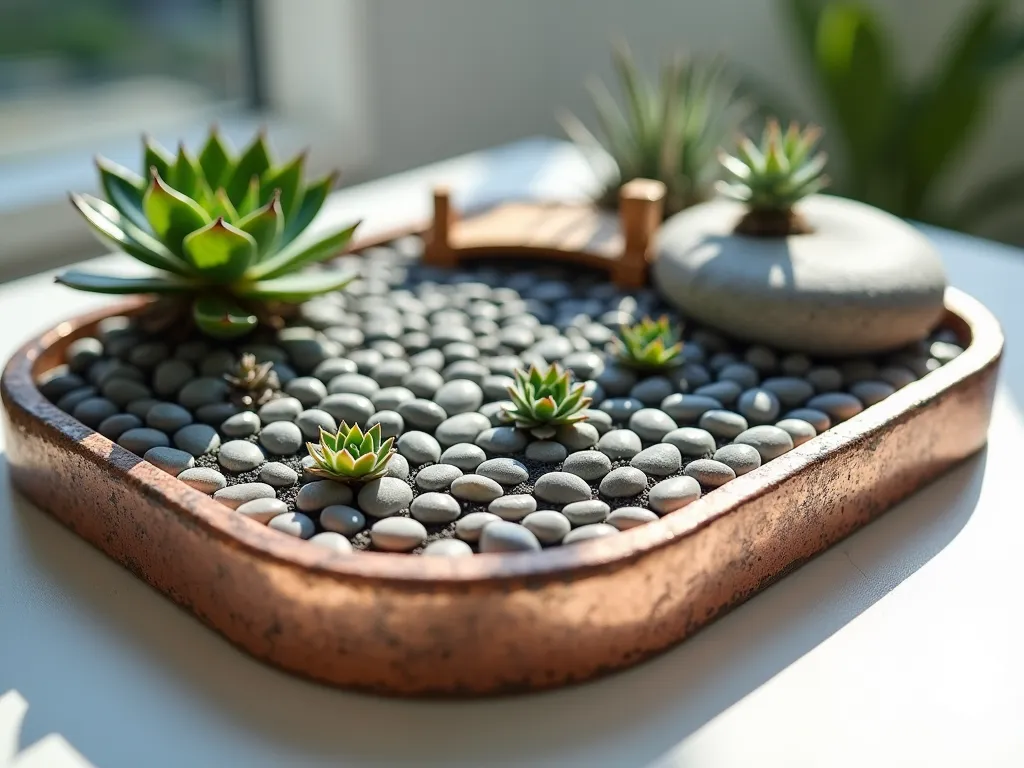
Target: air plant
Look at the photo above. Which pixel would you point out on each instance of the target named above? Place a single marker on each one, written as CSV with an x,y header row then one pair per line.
x,y
773,176
668,131
252,384
649,344
221,230
351,455
544,400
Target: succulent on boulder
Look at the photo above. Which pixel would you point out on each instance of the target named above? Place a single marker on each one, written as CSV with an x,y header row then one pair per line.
x,y
543,400
772,177
252,383
668,131
649,344
351,455
221,230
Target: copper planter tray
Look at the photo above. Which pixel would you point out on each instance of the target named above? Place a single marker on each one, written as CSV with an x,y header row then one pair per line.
x,y
492,624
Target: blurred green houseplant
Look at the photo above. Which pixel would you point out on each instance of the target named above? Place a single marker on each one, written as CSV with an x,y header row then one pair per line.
x,y
899,139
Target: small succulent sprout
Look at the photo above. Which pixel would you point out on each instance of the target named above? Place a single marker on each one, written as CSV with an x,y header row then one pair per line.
x,y
772,177
649,344
253,384
351,455
220,230
668,131
543,400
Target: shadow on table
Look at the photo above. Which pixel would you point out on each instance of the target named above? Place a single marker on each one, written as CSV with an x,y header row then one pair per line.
x,y
632,718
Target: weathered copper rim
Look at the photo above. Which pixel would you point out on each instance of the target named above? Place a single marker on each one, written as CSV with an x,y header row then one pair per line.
x,y
968,317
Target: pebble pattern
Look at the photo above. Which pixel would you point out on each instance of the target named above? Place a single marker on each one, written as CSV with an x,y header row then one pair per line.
x,y
428,355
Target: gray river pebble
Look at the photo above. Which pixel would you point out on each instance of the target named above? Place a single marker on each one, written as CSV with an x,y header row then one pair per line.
x,y
422,414
625,518
817,419
282,438
141,439
391,398
278,475
578,436
240,456
241,424
476,488
459,396
620,409
435,508
318,494
549,526
771,442
546,451
503,536
281,409
759,406
825,378
587,532
725,392
462,428
170,460
514,507
348,408
203,479
398,534
353,384
651,424
710,472
343,519
202,391
262,510
333,541
437,477
620,444
686,408
651,391
197,439
114,426
871,392
599,420
398,466
94,410
168,417
308,390
384,497
391,423
508,472
590,465
469,527
293,524
447,548
724,424
659,460
839,406
739,458
235,495
742,373
790,391
312,420
672,494
500,440
561,488
586,512
798,429
623,482
418,448
465,456
692,442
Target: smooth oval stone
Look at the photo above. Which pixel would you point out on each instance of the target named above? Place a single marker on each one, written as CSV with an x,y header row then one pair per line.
x,y
437,477
584,365
514,507
659,460
390,372
215,414
203,479
651,424
423,382
586,532
422,414
384,497
758,406
278,475
398,466
599,420
686,408
505,471
770,442
76,396
168,417
501,440
503,536
871,392
419,448
197,439
239,456
652,390
798,429
624,518
353,384
170,460
235,496
114,426
462,428
863,281
263,510
435,508
281,409
897,376
725,392
743,374
724,424
692,442
123,391
739,458
578,436
312,420
790,391
620,409
94,410
616,381
391,423
391,398
546,451
623,482
447,548
336,366
465,456
817,419
348,408
343,519
333,541
281,438
586,512
465,369
241,424
202,391
838,405
307,390
316,495
141,439
672,494
293,524
398,534
590,465
825,378
469,527
561,488
496,387
459,396
549,526
620,444
710,472
495,412
476,488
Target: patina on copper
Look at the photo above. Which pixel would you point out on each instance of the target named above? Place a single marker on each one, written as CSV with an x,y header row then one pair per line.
x,y
491,624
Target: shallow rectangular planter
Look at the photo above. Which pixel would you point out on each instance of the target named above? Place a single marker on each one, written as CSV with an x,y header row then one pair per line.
x,y
491,624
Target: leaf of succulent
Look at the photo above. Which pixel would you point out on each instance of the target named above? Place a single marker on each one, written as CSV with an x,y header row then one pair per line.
x,y
254,161
251,201
298,254
264,225
545,398
215,160
286,182
310,202
220,252
115,284
124,190
221,318
779,172
155,156
171,214
350,454
649,344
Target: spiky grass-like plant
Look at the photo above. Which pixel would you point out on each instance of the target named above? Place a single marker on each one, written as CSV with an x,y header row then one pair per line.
x,y
221,230
649,344
351,455
252,384
773,176
544,400
669,131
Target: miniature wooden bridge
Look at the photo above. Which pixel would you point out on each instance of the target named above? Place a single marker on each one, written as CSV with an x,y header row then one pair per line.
x,y
619,243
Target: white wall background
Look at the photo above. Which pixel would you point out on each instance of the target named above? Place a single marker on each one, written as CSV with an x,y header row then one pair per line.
x,y
448,76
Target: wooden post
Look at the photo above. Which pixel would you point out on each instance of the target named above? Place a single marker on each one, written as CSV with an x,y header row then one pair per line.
x,y
439,252
641,207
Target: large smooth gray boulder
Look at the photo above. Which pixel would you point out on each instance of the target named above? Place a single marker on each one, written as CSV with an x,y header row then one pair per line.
x,y
863,281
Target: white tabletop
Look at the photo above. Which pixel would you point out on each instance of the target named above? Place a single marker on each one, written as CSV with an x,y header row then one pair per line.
x,y
901,646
